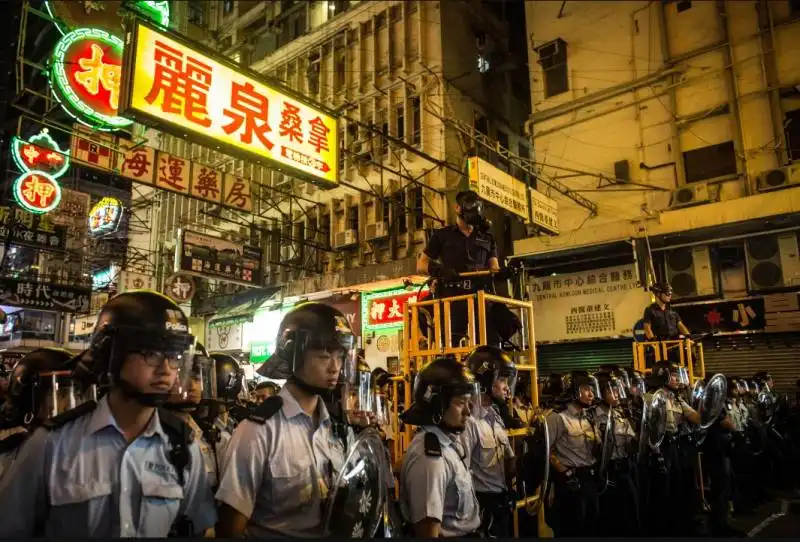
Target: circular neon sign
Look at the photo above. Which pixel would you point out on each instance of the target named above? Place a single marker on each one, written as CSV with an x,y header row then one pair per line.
x,y
37,192
40,153
85,77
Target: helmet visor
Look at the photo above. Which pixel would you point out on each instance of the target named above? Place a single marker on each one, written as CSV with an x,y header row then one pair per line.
x,y
617,389
65,393
201,384
358,393
681,375
505,384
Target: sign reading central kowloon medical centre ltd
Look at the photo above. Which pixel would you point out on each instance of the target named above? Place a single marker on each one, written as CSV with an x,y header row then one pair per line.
x,y
186,91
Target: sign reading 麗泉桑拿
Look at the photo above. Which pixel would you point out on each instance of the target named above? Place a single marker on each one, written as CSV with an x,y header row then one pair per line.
x,y
173,85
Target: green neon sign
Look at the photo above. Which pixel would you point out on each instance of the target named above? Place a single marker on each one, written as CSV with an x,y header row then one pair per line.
x,y
40,153
83,80
37,192
388,316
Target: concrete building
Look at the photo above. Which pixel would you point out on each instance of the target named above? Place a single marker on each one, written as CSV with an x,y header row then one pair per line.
x,y
680,122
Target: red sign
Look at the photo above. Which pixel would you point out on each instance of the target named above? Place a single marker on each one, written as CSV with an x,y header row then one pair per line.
x,y
388,310
37,192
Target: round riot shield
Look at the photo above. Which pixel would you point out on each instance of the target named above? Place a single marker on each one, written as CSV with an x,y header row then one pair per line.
x,y
654,420
711,400
355,504
533,466
606,448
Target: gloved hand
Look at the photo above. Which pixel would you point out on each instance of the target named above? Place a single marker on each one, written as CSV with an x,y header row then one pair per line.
x,y
572,482
442,272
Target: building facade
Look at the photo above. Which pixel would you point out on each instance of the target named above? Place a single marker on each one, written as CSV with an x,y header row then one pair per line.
x,y
678,121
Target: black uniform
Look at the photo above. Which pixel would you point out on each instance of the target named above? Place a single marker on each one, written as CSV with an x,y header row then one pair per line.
x,y
664,323
461,253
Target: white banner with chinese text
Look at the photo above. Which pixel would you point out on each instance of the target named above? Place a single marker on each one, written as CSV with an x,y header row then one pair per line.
x,y
498,187
592,304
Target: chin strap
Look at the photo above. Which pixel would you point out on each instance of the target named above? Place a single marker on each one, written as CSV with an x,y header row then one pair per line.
x,y
144,399
325,393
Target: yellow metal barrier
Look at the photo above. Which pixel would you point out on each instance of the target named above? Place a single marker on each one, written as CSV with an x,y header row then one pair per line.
x,y
661,350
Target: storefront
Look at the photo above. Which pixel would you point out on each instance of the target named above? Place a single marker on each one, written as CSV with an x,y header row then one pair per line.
x,y
382,324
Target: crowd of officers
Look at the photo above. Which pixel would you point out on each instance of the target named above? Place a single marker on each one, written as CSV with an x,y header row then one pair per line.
x,y
147,435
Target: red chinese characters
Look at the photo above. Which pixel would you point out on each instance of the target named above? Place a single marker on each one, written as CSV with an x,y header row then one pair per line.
x,y
37,191
237,193
95,74
248,115
389,310
172,173
318,138
291,123
182,82
138,163
206,183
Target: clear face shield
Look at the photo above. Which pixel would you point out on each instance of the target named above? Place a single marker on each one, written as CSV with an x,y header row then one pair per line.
x,y
504,385
358,391
742,387
681,375
637,387
614,392
588,390
64,393
465,400
380,407
201,384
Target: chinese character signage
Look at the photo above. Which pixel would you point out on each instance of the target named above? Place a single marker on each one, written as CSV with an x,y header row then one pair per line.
x,y
260,351
37,192
385,309
498,187
180,288
544,211
138,163
40,153
130,280
31,230
225,334
85,77
105,216
177,88
32,294
212,257
595,304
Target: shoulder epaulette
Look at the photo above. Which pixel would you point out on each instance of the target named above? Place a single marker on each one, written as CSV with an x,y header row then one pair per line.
x,y
69,416
266,410
433,448
12,442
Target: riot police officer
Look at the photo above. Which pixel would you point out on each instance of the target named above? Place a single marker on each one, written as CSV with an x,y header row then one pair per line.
x,y
673,488
618,463
263,391
32,398
576,509
120,467
486,441
436,489
662,322
283,459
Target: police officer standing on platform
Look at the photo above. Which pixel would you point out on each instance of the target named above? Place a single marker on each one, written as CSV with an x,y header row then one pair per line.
x,y
465,246
436,491
121,467
576,508
661,321
283,459
486,440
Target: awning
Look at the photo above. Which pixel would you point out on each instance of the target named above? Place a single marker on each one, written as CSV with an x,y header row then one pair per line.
x,y
579,258
244,304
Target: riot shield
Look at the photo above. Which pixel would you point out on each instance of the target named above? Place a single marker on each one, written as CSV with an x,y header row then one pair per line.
x,y
654,421
606,449
711,400
356,501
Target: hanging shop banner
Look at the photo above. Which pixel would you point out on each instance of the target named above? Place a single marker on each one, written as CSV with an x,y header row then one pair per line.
x,y
179,287
588,305
544,211
130,280
40,153
225,334
211,257
32,294
84,325
31,230
93,149
724,316
260,351
85,77
380,310
105,216
179,88
498,187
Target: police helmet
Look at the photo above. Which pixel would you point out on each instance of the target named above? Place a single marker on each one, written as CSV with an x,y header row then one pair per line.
x,y
140,322
381,377
582,379
662,370
31,386
434,387
309,326
608,382
229,377
661,288
201,386
489,364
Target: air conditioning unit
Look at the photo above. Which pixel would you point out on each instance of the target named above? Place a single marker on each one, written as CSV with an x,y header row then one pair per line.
x,y
346,238
687,196
772,261
378,230
775,179
290,253
689,272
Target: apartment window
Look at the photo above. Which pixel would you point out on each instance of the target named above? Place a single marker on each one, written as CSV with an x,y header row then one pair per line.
x,y
683,5
311,228
419,208
386,209
286,5
352,218
342,146
792,124
325,230
399,216
416,125
197,12
227,7
553,59
794,6
383,126
502,140
312,74
400,122
481,124
710,162
338,6
339,68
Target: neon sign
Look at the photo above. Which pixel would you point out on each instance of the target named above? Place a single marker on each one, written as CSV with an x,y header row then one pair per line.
x,y
69,14
105,216
381,310
105,278
85,77
156,10
40,153
37,192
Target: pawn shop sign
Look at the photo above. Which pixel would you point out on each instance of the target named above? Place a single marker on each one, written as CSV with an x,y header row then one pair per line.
x,y
181,288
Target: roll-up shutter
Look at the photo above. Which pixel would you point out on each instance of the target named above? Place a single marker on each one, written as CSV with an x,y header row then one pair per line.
x,y
745,355
589,355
